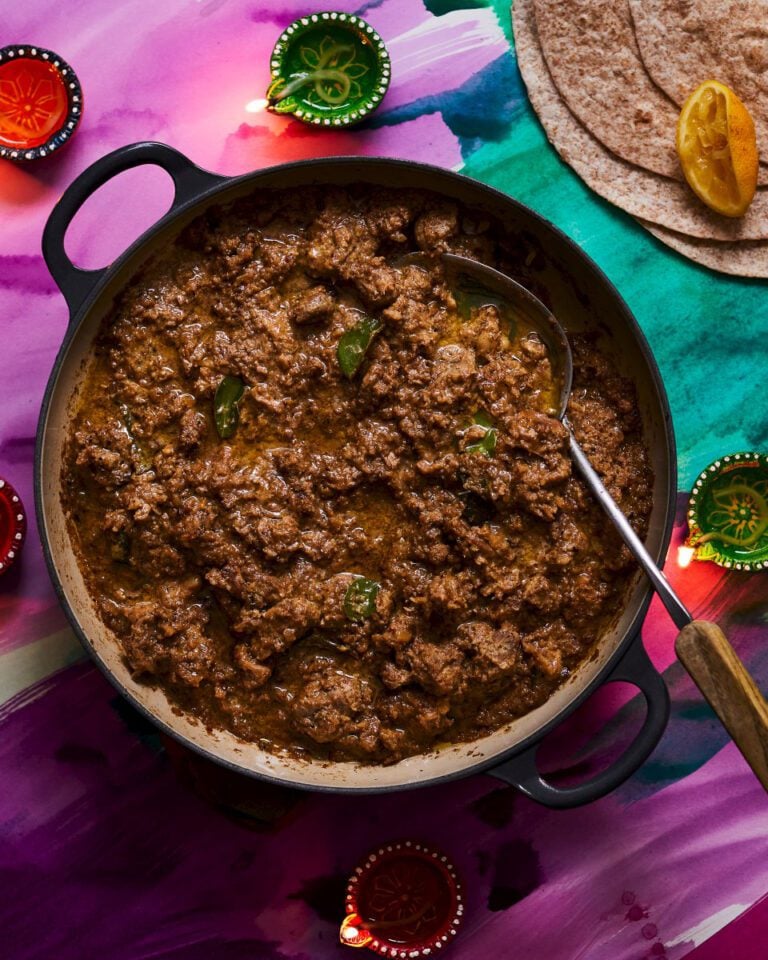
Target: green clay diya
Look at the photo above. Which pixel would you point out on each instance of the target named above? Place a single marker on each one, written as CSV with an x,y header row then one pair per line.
x,y
728,512
41,102
328,69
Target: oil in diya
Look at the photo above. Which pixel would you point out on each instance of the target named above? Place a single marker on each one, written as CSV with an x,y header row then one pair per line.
x,y
403,900
728,513
328,69
41,102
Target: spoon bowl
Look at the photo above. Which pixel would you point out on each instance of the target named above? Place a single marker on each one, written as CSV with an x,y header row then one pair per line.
x,y
701,647
463,273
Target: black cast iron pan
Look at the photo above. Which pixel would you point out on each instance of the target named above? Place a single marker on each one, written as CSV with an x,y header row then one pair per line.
x,y
580,295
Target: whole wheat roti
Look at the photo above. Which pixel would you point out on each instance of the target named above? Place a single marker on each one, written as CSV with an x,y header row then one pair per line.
x,y
685,42
645,195
744,258
594,60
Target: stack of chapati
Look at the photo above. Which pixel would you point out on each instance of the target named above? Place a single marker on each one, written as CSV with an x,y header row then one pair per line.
x,y
607,79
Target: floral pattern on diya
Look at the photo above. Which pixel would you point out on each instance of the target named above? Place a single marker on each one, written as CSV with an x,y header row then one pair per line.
x,y
13,526
403,902
40,102
31,105
328,68
728,512
334,71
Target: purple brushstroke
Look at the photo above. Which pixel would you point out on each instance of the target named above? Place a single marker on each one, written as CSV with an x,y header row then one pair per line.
x,y
99,837
26,274
105,853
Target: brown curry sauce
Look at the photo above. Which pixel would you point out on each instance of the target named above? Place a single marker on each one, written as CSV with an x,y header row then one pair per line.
x,y
435,471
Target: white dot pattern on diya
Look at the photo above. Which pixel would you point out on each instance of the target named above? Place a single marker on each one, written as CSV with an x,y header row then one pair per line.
x,y
74,95
699,486
384,65
408,845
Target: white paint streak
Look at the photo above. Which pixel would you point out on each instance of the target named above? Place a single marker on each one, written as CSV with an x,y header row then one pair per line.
x,y
33,662
452,35
708,927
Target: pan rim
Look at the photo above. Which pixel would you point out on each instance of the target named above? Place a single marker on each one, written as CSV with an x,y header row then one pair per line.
x,y
219,192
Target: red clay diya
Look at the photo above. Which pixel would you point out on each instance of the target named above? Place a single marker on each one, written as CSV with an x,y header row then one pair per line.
x,y
403,901
13,526
40,102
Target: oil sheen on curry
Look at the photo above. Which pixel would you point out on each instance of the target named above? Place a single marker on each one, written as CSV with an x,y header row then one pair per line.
x,y
320,497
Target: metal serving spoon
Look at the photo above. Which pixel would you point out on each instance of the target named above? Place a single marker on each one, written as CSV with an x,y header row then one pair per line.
x,y
701,646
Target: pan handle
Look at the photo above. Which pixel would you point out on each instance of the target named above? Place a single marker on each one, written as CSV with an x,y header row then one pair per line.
x,y
190,182
635,667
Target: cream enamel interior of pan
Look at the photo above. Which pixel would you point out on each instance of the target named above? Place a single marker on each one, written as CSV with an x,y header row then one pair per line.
x,y
575,309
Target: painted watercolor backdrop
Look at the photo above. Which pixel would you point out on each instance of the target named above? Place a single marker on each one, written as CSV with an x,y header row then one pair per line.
x,y
105,851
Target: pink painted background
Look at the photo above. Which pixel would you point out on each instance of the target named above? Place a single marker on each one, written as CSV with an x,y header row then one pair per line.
x,y
104,849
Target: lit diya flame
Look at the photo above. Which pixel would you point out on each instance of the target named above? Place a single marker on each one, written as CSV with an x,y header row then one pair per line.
x,y
404,901
685,554
353,932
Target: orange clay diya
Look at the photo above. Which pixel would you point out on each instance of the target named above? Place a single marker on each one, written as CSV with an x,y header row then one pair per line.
x,y
404,900
40,102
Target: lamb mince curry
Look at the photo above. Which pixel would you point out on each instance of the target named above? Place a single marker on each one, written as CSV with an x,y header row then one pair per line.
x,y
320,496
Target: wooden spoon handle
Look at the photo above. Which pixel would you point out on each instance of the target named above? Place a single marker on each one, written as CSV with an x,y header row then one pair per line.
x,y
706,654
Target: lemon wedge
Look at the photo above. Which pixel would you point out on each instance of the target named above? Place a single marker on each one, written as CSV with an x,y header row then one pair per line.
x,y
717,148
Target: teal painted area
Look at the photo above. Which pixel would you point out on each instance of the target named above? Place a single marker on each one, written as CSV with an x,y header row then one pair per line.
x,y
709,332
440,7
498,87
